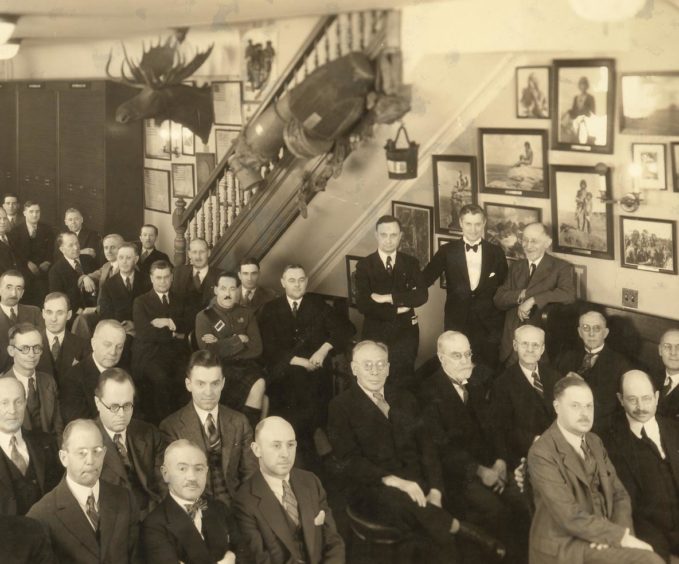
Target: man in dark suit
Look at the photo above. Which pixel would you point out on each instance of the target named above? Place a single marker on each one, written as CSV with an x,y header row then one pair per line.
x,y
42,404
110,243
194,283
90,241
583,513
77,387
148,254
187,527
645,452
389,286
89,520
61,349
298,332
12,287
29,464
24,541
134,448
33,243
253,295
222,433
8,258
599,365
11,205
474,269
283,511
523,395
667,380
538,280
159,349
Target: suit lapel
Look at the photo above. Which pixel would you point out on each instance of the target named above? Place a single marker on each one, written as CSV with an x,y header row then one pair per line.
x,y
179,522
73,519
137,449
192,429
306,511
670,442
272,511
371,410
541,272
571,459
460,259
228,434
604,480
108,515
46,401
37,458
111,458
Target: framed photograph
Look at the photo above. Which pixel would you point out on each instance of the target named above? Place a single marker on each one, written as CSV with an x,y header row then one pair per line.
x,y
514,162
648,244
351,261
440,241
223,140
649,103
182,181
205,164
582,223
649,160
455,186
157,190
674,153
157,140
580,271
227,97
504,226
259,48
188,142
585,98
533,92
418,229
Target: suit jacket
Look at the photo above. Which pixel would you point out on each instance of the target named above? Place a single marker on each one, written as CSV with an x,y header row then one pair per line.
x,y
460,299
668,406
50,414
195,300
73,350
520,413
24,541
266,531
77,391
603,378
63,278
564,523
144,266
284,336
73,538
8,258
37,250
43,456
238,461
237,321
102,274
169,535
90,239
115,301
406,285
146,448
25,314
368,445
261,296
552,282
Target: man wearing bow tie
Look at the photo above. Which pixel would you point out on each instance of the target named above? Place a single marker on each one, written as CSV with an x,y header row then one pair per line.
x,y
474,269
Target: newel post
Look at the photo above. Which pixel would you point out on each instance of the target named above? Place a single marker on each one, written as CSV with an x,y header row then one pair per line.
x,y
179,231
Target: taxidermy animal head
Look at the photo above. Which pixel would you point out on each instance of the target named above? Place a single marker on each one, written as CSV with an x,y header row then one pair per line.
x,y
159,74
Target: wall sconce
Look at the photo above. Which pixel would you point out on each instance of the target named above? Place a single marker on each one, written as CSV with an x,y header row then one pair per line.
x,y
10,49
8,24
631,201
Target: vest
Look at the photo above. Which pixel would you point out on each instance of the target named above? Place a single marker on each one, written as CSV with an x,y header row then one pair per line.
x,y
216,485
26,488
598,499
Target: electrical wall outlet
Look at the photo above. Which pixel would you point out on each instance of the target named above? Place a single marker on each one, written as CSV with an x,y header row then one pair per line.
x,y
630,298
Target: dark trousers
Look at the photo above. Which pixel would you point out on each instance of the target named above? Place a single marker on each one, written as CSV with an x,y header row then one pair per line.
x,y
663,542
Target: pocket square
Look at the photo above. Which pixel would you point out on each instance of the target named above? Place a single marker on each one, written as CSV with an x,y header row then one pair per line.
x,y
491,275
320,518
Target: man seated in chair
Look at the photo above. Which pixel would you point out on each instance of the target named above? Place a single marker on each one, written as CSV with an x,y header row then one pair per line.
x,y
89,240
230,331
253,294
148,254
667,380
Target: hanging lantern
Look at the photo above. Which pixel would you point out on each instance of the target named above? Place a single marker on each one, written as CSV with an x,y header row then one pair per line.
x,y
401,162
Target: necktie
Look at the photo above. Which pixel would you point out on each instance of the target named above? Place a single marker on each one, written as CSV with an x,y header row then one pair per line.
x,y
290,503
128,283
32,231
192,509
78,267
667,387
56,348
17,457
537,384
145,255
469,247
196,281
3,238
465,392
13,315
586,453
165,300
381,403
295,307
248,296
92,513
122,449
390,267
587,363
213,439
33,405
532,270
650,442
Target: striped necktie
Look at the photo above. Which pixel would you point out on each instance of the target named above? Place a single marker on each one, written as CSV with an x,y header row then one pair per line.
x,y
290,503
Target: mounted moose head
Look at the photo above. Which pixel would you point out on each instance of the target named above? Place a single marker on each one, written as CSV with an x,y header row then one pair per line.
x,y
160,74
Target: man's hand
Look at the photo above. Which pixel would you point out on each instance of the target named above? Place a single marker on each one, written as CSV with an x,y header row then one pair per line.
x,y
522,296
88,284
598,546
160,322
500,467
318,358
525,307
303,362
520,474
229,558
45,265
33,267
89,310
630,541
413,489
244,339
382,298
488,476
128,326
434,497
88,251
402,309
208,339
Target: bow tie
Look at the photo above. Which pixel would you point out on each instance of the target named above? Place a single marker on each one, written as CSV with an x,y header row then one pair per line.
x,y
199,505
469,247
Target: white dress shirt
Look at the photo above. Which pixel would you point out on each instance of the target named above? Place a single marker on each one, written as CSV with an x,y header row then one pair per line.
x,y
111,434
529,373
652,431
50,338
370,393
198,519
674,380
202,272
383,258
81,493
160,296
130,276
535,262
24,380
572,439
8,310
276,485
99,366
5,439
474,261
291,301
202,415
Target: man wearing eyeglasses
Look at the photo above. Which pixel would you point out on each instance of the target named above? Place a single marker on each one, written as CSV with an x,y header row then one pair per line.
x,y
89,521
42,405
666,381
599,365
134,448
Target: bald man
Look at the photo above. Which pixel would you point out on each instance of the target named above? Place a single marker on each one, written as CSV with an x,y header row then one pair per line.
x,y
188,526
282,511
668,379
598,364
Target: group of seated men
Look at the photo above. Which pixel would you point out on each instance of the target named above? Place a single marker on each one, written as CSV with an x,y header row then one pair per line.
x,y
201,357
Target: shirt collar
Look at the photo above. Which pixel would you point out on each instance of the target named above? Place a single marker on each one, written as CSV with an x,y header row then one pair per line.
x,y
99,366
529,373
202,414
596,350
477,242
298,300
636,426
24,379
536,262
181,502
201,271
7,309
370,393
572,439
50,336
71,262
81,493
111,434
5,438
160,296
674,378
383,257
276,483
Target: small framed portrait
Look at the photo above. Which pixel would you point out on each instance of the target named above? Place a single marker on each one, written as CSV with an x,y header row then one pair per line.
x,y
440,242
504,226
649,165
351,262
158,140
533,92
183,185
417,223
455,186
188,142
648,105
514,162
585,97
674,153
157,190
648,244
582,222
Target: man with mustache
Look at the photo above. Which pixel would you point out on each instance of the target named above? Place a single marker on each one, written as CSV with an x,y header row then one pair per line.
x,y
583,514
645,451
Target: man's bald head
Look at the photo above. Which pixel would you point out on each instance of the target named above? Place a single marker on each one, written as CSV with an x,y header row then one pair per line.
x,y
638,395
10,384
449,339
273,425
12,404
275,446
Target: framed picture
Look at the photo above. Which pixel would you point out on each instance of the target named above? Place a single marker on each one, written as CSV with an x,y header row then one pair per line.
x,y
674,153
351,261
581,221
649,160
182,181
223,140
455,186
157,140
188,142
227,97
514,161
504,226
157,190
580,271
533,92
585,97
648,244
440,241
258,48
205,164
648,105
417,223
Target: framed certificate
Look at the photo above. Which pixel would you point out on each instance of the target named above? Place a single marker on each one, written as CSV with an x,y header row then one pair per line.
x,y
182,181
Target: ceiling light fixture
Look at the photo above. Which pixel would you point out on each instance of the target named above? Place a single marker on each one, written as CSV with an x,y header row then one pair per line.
x,y
8,24
10,49
607,10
